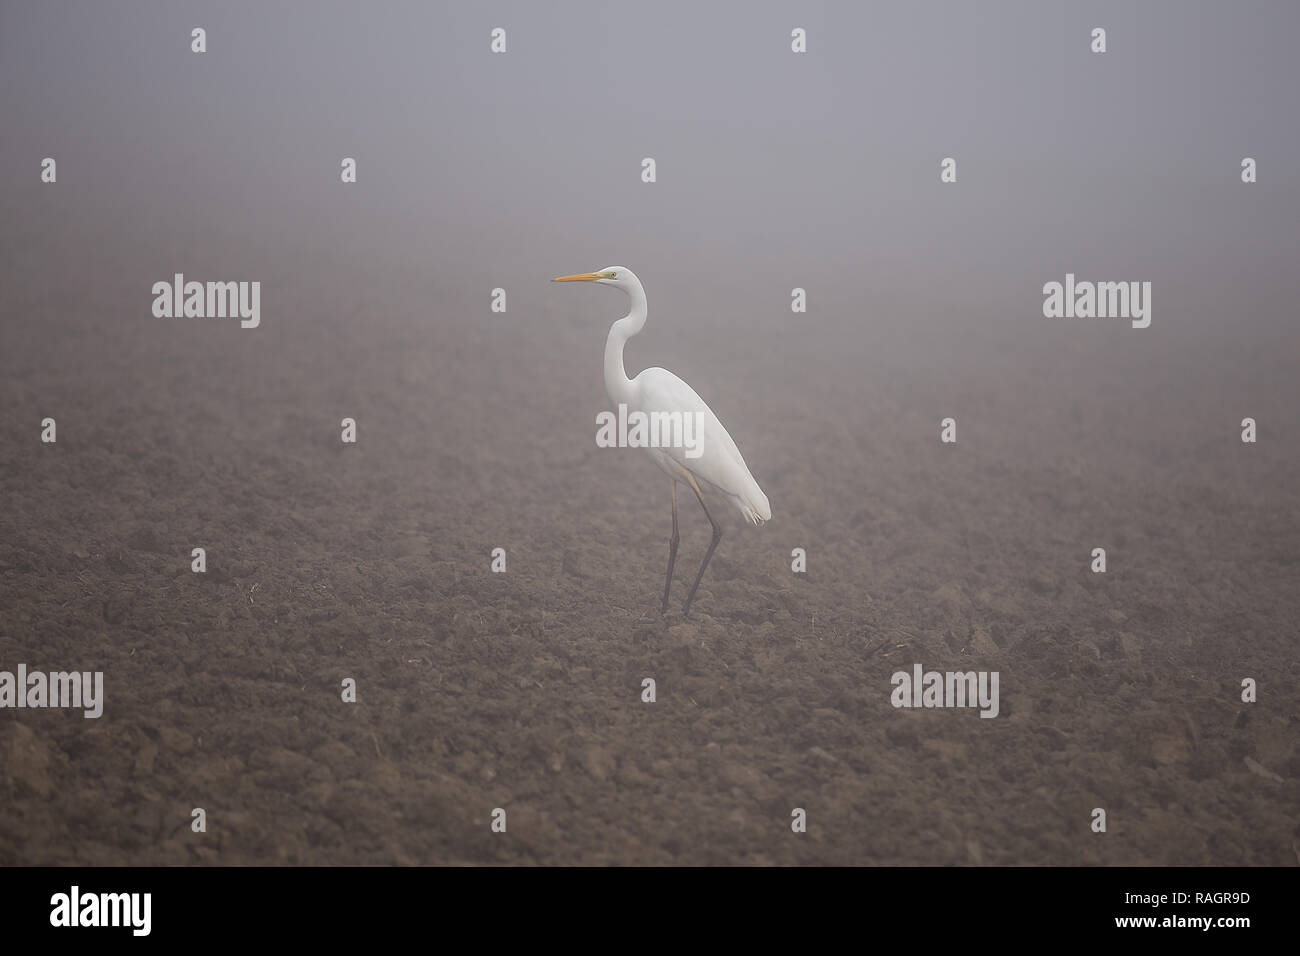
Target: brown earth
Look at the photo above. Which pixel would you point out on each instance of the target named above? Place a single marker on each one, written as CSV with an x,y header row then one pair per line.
x,y
522,690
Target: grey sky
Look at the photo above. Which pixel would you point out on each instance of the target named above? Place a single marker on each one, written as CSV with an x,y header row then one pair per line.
x,y
774,169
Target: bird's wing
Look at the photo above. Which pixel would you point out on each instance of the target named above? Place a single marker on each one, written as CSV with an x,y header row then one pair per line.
x,y
720,462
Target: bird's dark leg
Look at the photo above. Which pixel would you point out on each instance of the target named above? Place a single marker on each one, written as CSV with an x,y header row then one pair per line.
x,y
717,536
672,551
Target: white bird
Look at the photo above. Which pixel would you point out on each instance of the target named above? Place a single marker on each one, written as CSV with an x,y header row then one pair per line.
x,y
719,464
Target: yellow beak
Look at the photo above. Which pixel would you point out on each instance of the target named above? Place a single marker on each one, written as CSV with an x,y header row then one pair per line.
x,y
580,277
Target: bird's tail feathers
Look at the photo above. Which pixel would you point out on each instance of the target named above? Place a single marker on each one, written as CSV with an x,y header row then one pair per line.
x,y
753,504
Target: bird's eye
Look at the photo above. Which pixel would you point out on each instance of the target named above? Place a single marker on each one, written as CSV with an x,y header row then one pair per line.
x,y
612,275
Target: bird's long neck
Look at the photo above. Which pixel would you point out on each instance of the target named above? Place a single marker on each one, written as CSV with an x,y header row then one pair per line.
x,y
617,384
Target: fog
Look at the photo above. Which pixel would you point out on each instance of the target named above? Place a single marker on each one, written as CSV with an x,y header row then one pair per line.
x,y
775,171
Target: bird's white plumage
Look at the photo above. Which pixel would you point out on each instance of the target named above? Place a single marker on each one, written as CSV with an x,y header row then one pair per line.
x,y
720,464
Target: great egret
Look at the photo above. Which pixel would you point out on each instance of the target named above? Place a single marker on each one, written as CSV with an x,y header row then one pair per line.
x,y
718,464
